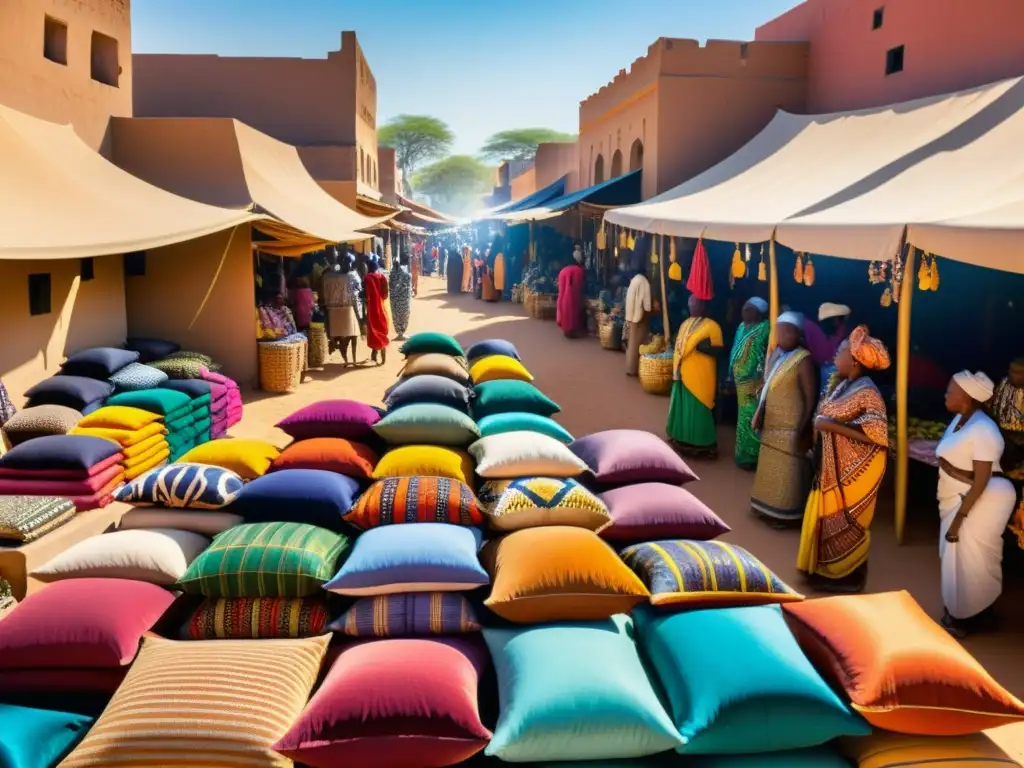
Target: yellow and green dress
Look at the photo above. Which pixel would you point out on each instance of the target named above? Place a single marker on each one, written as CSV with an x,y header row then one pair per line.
x,y
746,364
691,420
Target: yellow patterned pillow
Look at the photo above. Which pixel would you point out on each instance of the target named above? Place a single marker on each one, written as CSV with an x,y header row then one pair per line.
x,y
208,703
511,505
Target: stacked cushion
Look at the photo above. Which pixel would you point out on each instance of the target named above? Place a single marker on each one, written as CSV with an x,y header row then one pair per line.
x,y
226,407
429,389
498,368
331,454
201,394
620,457
428,460
39,421
895,750
136,376
524,454
489,347
649,511
412,614
98,362
183,486
242,618
141,435
434,364
427,423
417,499
174,407
151,349
312,496
494,397
431,343
39,738
26,518
500,423
346,419
85,469
185,364
532,502
248,459
81,393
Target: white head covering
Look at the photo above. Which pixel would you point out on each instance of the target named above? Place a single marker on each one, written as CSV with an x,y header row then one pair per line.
x,y
828,309
977,385
577,254
758,303
792,318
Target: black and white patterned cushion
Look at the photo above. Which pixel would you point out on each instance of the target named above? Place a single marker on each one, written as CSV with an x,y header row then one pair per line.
x,y
136,376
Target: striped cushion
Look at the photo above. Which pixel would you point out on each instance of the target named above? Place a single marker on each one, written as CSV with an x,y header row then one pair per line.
x,y
240,618
416,500
530,502
266,560
183,486
204,704
408,615
708,573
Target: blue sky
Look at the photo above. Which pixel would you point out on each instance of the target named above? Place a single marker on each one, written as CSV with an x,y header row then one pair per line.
x,y
480,65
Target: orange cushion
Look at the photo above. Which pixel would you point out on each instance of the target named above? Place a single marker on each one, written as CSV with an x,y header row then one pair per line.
x,y
333,454
558,573
901,670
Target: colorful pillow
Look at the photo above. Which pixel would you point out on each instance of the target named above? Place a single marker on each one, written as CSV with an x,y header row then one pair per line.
x,y
119,417
197,389
524,454
329,454
705,573
511,505
26,518
817,757
30,423
396,702
415,500
347,419
896,750
495,397
498,368
649,511
489,347
266,560
901,670
500,423
152,349
558,573
98,362
431,342
429,389
434,364
428,557
38,738
411,614
78,392
137,376
575,692
158,556
311,496
429,424
183,486
60,452
430,460
248,459
205,523
264,618
81,623
183,367
751,689
624,456
163,401
212,718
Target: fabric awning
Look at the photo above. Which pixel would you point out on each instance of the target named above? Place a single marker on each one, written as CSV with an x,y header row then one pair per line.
x,y
62,200
225,162
367,206
621,190
425,213
538,198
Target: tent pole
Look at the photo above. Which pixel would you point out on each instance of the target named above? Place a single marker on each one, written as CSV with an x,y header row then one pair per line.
x,y
667,333
533,248
773,292
902,389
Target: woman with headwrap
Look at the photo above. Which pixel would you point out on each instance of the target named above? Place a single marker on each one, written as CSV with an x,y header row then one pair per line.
x,y
783,418
454,275
851,451
376,287
342,306
569,306
400,293
691,420
975,504
746,369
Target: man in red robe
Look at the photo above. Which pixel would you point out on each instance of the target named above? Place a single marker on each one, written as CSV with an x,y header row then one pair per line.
x,y
375,286
569,309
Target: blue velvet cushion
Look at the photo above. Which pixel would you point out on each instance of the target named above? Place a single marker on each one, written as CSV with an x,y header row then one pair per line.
x,y
136,376
499,423
98,362
429,388
489,347
819,757
182,486
311,496
152,349
575,691
422,557
753,690
72,391
427,424
73,452
194,388
38,738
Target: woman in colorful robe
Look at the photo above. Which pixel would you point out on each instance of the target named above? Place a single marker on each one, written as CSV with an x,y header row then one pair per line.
x,y
400,294
376,287
467,269
569,307
691,419
746,369
851,451
783,417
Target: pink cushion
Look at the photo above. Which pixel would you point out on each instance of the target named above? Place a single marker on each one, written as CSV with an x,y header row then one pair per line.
x,y
81,623
57,681
10,486
98,500
61,474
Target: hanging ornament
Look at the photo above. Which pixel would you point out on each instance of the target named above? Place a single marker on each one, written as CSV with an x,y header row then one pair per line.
x,y
699,283
746,252
924,275
798,270
887,297
739,267
622,239
933,278
631,242
809,273
762,269
675,271
602,238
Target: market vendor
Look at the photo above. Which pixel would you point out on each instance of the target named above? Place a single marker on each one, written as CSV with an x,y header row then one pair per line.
x,y
638,310
823,338
691,420
1007,409
570,308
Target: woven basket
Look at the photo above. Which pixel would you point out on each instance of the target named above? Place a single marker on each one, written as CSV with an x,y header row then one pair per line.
x,y
280,367
547,307
530,303
318,352
610,336
656,374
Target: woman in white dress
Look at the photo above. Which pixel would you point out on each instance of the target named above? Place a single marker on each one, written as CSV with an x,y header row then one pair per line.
x,y
975,504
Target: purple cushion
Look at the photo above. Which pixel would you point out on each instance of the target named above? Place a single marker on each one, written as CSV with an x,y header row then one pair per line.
x,y
428,388
347,419
79,452
72,391
624,456
98,362
649,511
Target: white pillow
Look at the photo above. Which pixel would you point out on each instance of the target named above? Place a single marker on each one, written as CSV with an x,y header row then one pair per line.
x,y
524,454
157,555
208,523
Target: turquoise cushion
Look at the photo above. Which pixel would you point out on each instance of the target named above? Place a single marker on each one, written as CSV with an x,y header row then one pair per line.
x,y
431,342
500,423
511,397
575,691
427,424
162,401
38,738
819,757
738,683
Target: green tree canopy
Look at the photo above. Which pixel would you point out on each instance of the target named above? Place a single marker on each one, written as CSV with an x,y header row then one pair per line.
x,y
416,139
455,183
520,143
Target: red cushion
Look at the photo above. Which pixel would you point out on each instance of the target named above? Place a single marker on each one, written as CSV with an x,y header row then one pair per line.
x,y
61,681
403,703
333,454
81,623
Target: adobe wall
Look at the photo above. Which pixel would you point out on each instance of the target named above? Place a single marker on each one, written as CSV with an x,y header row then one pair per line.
x,y
948,45
390,177
65,93
365,108
555,160
524,184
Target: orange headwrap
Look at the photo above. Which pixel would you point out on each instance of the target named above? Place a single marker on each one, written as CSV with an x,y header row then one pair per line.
x,y
867,350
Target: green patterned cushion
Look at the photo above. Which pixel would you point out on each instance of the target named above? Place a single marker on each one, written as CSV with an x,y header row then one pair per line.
x,y
266,560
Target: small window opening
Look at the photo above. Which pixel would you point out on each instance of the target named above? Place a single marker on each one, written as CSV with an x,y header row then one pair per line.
x,y
878,18
39,294
55,40
87,269
105,66
135,264
744,51
894,60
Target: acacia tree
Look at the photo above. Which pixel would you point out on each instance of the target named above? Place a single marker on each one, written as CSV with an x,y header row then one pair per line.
x,y
416,139
520,143
455,182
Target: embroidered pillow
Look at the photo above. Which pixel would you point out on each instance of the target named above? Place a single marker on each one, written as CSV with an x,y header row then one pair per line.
x,y
418,499
137,376
98,362
183,486
264,618
26,518
30,423
410,614
538,501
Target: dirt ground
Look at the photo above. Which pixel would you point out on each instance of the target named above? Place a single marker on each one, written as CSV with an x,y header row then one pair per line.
x,y
595,394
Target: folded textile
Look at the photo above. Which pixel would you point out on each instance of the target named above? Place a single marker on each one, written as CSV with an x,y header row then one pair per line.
x,y
179,413
146,457
124,437
203,401
144,447
179,424
109,478
203,431
61,474
98,500
157,460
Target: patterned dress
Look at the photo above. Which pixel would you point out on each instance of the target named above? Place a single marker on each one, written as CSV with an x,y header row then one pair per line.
x,y
746,365
400,288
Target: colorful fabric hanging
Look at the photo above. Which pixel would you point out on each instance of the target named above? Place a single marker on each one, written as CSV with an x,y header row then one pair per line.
x,y
933,277
675,270
798,270
602,238
739,267
809,272
700,284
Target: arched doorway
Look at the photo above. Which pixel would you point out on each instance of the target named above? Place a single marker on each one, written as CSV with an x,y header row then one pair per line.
x,y
599,169
636,156
616,164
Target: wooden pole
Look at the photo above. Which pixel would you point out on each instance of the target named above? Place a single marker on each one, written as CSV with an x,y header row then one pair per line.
x,y
902,390
664,290
773,292
533,247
